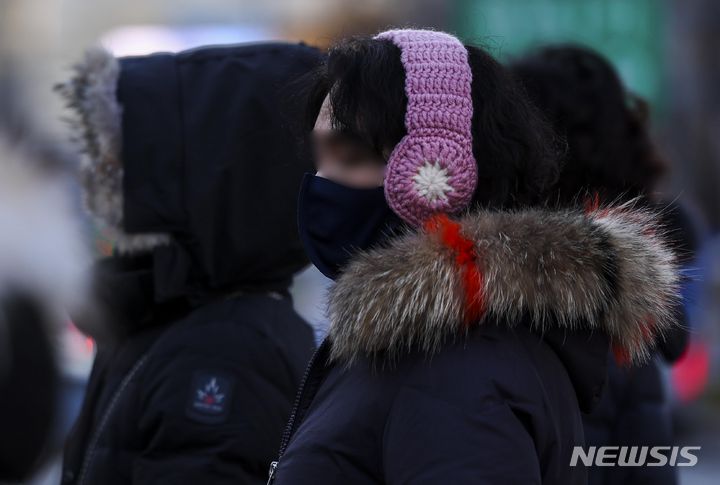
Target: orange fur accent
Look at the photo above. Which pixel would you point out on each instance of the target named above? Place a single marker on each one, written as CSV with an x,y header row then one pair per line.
x,y
465,260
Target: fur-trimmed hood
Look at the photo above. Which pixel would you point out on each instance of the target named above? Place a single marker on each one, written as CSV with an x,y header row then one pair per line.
x,y
188,155
96,121
608,270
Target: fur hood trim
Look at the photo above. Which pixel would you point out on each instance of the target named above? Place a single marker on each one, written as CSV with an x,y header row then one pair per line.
x,y
608,269
96,123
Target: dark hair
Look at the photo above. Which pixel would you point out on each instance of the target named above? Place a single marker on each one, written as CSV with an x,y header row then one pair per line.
x,y
514,148
609,148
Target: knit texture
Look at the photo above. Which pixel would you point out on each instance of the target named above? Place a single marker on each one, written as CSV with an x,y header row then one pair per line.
x,y
432,170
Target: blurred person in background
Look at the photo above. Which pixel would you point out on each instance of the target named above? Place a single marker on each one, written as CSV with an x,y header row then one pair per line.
x,y
42,265
611,158
192,171
466,329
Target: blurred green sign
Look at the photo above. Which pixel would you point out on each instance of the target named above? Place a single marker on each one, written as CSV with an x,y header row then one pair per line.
x,y
628,32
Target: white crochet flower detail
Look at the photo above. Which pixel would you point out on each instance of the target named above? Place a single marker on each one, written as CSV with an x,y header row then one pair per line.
x,y
431,181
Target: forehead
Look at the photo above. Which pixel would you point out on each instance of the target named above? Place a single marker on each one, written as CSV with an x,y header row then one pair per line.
x,y
324,119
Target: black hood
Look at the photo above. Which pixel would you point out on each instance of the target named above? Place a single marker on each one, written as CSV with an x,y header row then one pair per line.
x,y
191,157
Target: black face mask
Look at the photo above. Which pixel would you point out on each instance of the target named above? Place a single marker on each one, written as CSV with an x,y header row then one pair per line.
x,y
335,221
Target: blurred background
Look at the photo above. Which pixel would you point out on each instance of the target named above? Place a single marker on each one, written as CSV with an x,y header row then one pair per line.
x,y
665,50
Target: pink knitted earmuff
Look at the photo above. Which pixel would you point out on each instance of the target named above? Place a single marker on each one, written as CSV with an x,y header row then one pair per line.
x,y
432,170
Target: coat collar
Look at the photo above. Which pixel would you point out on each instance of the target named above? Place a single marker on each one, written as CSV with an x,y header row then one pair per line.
x,y
608,270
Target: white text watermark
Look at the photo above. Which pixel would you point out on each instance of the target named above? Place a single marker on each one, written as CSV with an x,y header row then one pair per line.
x,y
635,455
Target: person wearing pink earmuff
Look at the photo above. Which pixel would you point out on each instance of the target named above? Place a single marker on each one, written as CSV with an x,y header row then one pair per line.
x,y
467,329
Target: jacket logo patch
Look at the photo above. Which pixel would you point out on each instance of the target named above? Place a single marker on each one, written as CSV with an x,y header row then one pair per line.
x,y
210,395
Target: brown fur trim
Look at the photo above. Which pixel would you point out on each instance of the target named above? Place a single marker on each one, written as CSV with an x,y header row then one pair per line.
x,y
91,95
610,270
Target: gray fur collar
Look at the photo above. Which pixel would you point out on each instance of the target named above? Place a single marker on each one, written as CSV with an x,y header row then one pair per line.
x,y
91,96
610,269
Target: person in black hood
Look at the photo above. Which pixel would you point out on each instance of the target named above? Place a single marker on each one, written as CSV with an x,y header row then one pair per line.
x,y
465,340
192,170
611,158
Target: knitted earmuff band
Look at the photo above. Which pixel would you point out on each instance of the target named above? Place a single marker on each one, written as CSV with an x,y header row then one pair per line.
x,y
432,170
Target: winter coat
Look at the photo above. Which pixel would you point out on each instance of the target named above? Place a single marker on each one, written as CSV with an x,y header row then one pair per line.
x,y
197,395
634,410
404,390
192,170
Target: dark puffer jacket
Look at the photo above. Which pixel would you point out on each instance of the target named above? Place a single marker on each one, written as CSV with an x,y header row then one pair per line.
x,y
635,411
192,171
194,396
402,392
632,412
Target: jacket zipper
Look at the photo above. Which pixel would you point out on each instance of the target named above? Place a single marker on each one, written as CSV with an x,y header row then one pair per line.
x,y
299,398
90,453
271,473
